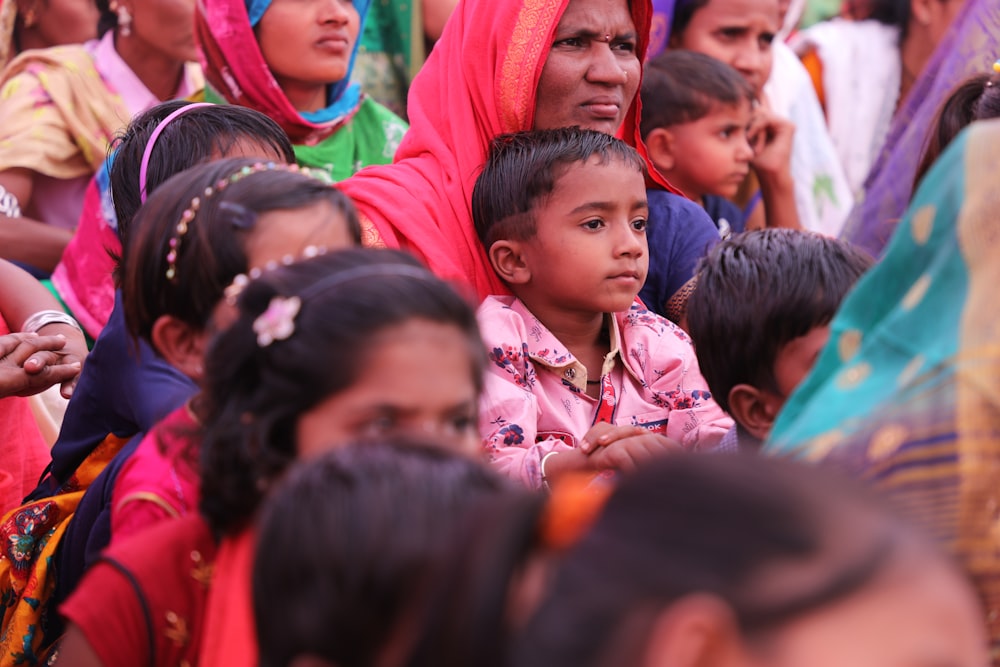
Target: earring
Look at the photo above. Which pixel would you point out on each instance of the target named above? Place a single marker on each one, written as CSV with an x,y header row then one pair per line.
x,y
124,21
30,18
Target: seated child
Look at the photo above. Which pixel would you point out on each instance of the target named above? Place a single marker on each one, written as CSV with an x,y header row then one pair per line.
x,y
581,375
760,316
695,114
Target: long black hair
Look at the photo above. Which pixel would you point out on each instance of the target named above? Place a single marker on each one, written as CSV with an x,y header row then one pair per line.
x,y
254,395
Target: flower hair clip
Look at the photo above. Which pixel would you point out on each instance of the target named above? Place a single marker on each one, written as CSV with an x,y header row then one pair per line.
x,y
278,321
189,214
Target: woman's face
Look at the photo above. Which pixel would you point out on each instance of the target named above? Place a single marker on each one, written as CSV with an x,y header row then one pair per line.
x,y
417,379
592,72
307,45
165,26
64,22
737,32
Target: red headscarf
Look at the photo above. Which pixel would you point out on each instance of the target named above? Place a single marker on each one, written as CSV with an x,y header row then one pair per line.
x,y
479,82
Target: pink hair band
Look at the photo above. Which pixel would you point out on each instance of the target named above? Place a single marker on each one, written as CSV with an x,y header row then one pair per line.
x,y
152,142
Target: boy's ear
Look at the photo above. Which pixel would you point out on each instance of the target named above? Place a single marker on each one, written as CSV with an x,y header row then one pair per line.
x,y
508,261
181,345
754,409
660,147
698,630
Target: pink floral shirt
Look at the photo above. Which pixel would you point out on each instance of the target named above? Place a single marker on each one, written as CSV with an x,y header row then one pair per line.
x,y
535,399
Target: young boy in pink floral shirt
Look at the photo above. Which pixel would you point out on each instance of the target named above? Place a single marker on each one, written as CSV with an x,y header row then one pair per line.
x,y
581,375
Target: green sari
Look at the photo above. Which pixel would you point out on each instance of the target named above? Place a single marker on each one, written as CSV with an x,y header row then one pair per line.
x,y
907,392
371,137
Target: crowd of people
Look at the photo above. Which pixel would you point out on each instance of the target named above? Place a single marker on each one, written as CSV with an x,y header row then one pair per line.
x,y
499,333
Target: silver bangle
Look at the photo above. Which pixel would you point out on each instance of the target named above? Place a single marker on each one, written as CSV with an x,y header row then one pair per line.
x,y
9,205
45,317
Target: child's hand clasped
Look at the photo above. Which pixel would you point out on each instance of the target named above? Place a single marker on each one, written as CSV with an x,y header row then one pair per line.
x,y
30,363
623,447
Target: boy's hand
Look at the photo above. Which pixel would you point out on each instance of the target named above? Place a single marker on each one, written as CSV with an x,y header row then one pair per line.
x,y
771,139
602,435
629,453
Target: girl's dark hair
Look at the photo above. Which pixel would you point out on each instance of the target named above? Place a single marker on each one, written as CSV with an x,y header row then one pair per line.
x,y
253,395
469,619
771,538
976,98
191,138
212,251
347,542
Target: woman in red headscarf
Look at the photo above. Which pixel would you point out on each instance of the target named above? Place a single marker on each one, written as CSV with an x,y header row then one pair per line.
x,y
505,67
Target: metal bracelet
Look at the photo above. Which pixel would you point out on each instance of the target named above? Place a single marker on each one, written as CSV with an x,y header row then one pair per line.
x,y
9,205
45,317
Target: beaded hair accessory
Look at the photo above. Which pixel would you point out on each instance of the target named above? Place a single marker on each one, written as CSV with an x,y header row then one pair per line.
x,y
235,288
191,211
278,321
157,131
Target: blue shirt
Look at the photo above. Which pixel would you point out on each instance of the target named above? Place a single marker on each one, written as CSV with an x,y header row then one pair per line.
x,y
679,234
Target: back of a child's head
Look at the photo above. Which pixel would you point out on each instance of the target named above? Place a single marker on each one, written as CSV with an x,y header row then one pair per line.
x,y
523,168
302,334
190,237
976,98
195,136
758,291
681,86
767,540
347,543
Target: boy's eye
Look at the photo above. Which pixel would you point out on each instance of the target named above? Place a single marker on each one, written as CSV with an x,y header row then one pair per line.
x,y
732,33
767,38
380,426
639,224
597,223
463,422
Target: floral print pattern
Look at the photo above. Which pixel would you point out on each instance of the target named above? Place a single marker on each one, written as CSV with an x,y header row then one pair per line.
x,y
535,387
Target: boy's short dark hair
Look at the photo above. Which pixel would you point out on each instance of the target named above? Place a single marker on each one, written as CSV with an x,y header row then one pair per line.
x,y
757,292
523,167
683,86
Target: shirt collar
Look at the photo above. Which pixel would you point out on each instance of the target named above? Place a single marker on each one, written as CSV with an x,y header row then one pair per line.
x,y
546,350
